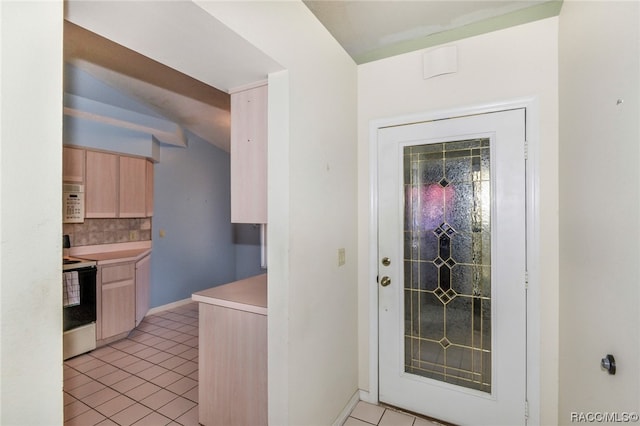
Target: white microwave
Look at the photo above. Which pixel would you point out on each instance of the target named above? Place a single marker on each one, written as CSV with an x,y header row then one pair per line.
x,y
72,203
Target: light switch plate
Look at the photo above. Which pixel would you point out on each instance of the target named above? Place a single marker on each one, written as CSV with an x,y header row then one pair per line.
x,y
341,257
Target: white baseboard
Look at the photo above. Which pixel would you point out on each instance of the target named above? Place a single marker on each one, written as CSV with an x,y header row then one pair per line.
x,y
347,409
168,306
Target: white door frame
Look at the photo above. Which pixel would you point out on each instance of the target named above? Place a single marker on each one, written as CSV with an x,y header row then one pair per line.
x,y
533,239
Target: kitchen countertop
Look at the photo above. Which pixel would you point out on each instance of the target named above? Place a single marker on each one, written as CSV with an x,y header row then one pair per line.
x,y
117,256
113,253
248,295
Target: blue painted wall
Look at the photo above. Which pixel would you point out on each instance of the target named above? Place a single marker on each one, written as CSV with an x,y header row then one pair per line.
x,y
192,207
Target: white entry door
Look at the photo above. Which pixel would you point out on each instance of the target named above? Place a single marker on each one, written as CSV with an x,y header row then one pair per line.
x,y
452,265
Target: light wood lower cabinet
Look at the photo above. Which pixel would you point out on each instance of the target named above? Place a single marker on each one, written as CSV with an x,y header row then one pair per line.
x,y
232,367
118,299
143,278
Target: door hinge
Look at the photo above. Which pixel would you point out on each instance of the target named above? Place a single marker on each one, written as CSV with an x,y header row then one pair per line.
x,y
526,150
526,409
526,280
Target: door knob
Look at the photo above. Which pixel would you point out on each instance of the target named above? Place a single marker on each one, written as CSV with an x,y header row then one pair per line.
x,y
609,364
386,261
385,281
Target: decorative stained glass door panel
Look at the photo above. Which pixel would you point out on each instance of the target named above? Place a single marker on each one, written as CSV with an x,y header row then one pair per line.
x,y
452,305
447,261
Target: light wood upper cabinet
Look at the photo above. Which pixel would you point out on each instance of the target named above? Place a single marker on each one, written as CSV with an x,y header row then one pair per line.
x,y
115,185
149,189
101,187
73,165
132,184
249,155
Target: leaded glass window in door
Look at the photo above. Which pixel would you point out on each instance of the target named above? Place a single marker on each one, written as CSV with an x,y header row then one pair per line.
x,y
447,262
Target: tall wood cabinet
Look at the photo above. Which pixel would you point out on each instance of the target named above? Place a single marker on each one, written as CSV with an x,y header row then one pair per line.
x,y
249,155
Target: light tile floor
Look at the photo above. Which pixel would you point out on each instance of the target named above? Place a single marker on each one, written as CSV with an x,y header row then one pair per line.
x,y
149,378
365,414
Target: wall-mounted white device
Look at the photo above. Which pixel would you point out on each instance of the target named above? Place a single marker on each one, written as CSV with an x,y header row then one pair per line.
x,y
72,203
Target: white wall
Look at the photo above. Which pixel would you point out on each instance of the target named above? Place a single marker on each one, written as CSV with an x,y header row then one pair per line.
x,y
312,210
512,63
599,206
30,213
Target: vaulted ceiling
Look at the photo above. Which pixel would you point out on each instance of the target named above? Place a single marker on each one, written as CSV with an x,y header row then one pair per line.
x,y
156,90
167,102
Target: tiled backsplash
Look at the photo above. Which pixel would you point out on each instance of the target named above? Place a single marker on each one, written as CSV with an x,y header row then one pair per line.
x,y
108,231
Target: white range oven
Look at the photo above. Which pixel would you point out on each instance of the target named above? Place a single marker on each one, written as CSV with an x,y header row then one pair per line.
x,y
79,306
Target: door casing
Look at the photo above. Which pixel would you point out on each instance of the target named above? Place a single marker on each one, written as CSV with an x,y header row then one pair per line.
x,y
530,104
